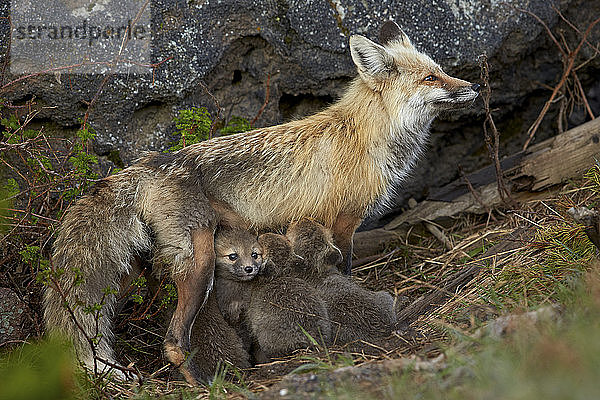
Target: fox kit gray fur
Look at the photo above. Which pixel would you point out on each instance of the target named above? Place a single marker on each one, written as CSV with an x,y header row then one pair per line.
x,y
314,245
215,342
355,313
216,338
238,260
336,167
283,308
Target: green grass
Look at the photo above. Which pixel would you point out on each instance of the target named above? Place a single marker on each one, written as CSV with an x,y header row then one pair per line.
x,y
564,251
545,361
42,370
228,381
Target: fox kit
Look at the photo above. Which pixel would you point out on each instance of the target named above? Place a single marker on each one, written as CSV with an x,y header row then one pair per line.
x,y
283,308
355,313
216,338
314,245
335,167
215,342
238,260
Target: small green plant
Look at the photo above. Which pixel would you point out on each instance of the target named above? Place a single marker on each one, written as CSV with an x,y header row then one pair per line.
x,y
235,125
565,252
32,256
228,380
194,125
83,162
138,284
171,295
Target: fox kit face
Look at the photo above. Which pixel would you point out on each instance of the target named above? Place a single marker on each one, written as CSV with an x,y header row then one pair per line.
x,y
278,254
410,82
314,243
238,255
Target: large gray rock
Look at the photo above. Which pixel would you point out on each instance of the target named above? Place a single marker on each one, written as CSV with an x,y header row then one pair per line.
x,y
235,45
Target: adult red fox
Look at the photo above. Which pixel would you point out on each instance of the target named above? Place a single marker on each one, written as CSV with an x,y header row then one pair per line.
x,y
335,167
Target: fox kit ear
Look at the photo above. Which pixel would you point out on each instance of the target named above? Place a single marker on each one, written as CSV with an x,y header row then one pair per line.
x,y
391,32
373,61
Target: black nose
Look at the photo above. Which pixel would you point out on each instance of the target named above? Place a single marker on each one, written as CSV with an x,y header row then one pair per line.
x,y
475,87
249,269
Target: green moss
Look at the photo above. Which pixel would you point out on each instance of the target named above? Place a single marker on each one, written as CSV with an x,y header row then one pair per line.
x,y
115,157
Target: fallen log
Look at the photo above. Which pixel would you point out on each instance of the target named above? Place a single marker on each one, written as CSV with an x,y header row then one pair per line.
x,y
529,175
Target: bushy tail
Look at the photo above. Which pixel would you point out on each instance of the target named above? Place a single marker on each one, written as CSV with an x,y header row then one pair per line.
x,y
99,236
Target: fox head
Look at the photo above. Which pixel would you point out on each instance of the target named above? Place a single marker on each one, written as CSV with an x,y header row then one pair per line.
x,y
238,254
406,77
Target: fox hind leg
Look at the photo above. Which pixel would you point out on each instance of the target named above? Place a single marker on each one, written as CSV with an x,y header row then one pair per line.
x,y
183,223
193,287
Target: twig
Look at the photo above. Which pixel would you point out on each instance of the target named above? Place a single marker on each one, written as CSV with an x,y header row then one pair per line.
x,y
262,108
584,99
439,235
77,65
569,63
217,118
594,47
370,259
56,286
541,22
492,139
144,314
475,194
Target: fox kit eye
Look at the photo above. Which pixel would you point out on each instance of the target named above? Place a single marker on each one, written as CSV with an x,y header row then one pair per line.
x,y
233,256
254,255
430,78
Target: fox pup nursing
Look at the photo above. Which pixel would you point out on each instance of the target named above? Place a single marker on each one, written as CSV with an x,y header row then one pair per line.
x,y
215,342
238,260
219,336
298,291
354,312
283,309
270,309
336,167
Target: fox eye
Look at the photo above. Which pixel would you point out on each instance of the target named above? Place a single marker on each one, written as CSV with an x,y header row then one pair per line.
x,y
233,256
430,78
254,255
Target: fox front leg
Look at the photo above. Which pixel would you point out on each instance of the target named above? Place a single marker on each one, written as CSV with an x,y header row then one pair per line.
x,y
193,287
343,231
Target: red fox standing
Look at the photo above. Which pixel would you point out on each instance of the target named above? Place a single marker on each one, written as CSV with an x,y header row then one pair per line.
x,y
335,167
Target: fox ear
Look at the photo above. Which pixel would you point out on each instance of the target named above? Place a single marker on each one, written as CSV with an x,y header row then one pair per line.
x,y
391,32
333,257
373,61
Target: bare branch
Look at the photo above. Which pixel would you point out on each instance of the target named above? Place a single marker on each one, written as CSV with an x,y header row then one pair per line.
x,y
217,118
491,135
570,61
260,111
